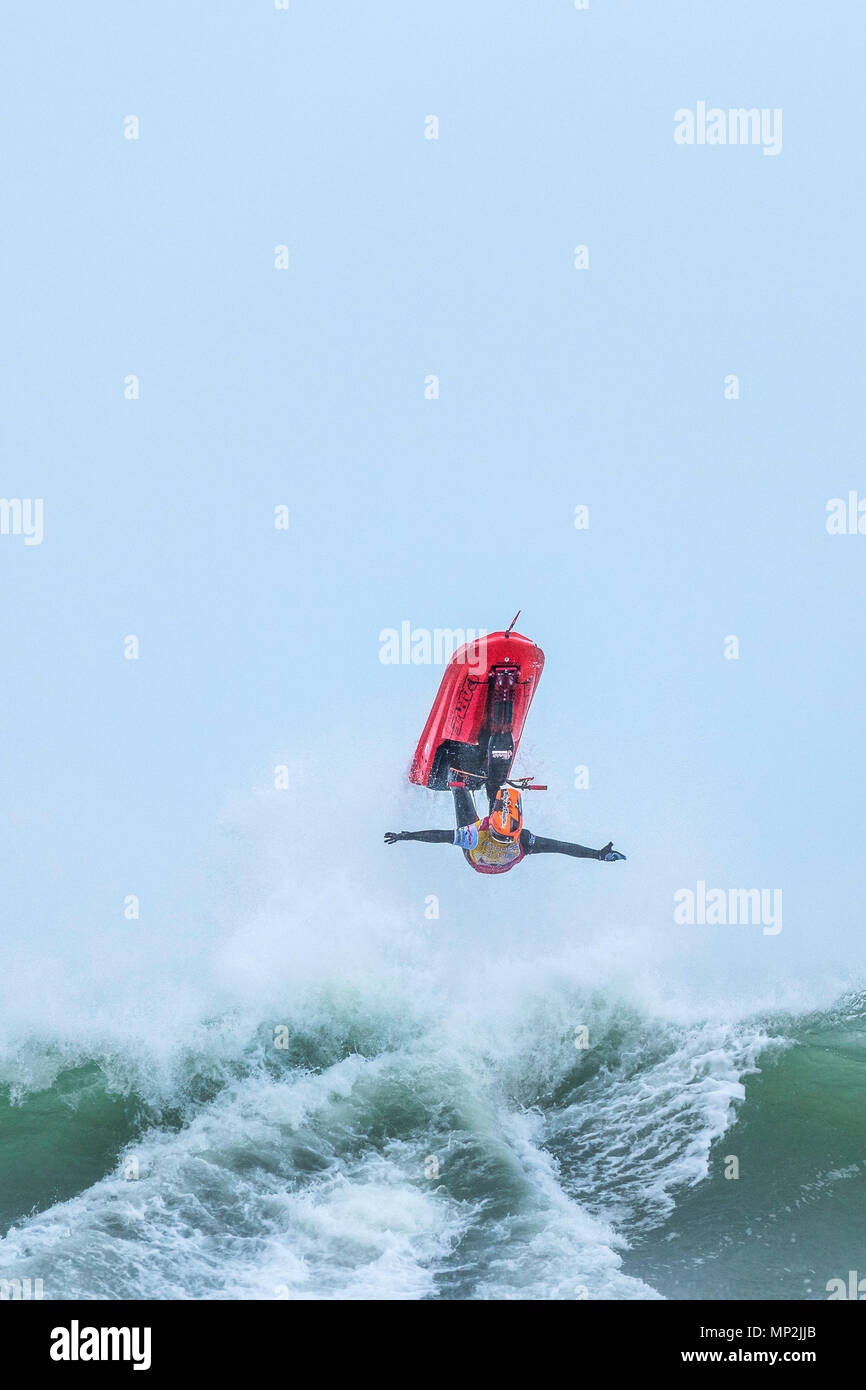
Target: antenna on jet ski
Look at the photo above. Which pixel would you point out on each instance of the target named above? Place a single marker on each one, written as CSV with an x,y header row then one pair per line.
x,y
513,621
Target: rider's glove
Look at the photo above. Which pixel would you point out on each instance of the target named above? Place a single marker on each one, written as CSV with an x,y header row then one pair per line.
x,y
391,836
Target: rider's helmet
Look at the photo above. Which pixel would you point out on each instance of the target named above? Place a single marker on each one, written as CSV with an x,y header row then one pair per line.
x,y
506,817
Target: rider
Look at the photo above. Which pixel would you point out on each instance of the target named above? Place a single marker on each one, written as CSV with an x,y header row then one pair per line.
x,y
499,841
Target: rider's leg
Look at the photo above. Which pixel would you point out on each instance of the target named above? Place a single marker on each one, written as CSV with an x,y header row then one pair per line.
x,y
464,806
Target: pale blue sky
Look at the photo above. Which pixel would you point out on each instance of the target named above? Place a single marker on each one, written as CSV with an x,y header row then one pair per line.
x,y
558,387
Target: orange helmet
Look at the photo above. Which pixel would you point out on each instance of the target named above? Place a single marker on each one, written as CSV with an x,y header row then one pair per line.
x,y
506,818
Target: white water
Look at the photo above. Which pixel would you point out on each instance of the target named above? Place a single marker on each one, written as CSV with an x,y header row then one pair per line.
x,y
441,1039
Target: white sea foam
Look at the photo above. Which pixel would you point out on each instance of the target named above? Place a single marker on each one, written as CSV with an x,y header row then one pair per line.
x,y
307,1174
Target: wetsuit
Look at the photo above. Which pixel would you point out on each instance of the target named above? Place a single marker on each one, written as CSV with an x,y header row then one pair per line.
x,y
484,853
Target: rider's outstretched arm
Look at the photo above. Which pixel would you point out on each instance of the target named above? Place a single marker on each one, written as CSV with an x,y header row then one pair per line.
x,y
430,837
541,845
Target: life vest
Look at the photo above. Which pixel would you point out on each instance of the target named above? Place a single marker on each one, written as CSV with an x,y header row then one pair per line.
x,y
485,854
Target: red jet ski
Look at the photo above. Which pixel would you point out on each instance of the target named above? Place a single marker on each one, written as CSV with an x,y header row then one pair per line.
x,y
478,716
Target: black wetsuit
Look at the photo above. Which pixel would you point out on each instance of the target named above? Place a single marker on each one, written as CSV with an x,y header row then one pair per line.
x,y
466,814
